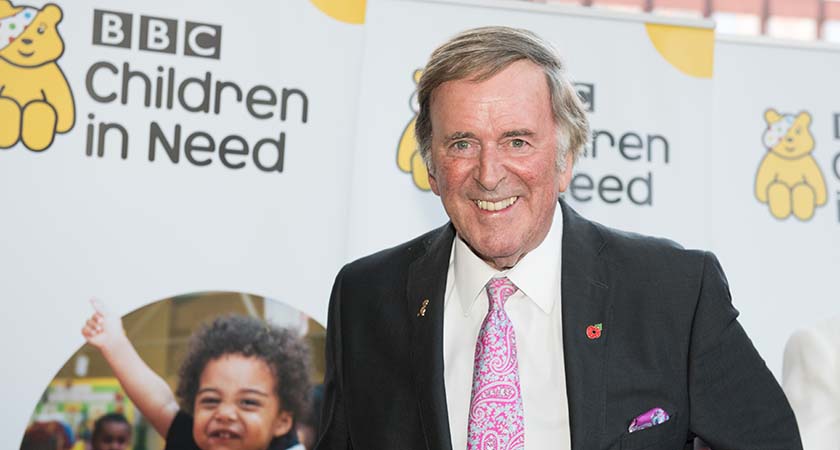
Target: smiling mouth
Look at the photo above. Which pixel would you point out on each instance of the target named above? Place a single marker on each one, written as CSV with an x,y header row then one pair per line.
x,y
487,205
223,435
24,54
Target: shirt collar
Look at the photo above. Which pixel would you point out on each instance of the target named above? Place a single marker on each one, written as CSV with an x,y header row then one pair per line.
x,y
537,274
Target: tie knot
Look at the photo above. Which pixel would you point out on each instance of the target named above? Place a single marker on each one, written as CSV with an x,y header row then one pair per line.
x,y
499,290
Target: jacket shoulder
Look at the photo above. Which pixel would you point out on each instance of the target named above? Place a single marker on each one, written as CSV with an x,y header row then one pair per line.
x,y
650,250
392,262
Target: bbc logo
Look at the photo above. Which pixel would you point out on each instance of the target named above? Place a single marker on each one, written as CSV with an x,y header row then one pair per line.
x,y
114,29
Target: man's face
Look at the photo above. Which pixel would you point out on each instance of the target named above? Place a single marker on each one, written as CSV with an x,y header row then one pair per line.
x,y
236,407
494,150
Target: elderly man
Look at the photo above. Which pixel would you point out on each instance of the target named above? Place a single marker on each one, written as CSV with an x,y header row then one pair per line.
x,y
521,324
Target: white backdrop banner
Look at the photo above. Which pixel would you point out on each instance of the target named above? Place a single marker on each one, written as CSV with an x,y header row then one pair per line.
x,y
172,147
774,185
166,149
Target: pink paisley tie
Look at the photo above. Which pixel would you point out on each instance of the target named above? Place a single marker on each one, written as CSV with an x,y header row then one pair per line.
x,y
497,421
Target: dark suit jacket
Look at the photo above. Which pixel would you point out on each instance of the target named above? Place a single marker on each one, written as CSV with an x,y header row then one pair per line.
x,y
670,339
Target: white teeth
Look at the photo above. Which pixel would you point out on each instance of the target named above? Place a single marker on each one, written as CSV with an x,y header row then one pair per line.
x,y
495,206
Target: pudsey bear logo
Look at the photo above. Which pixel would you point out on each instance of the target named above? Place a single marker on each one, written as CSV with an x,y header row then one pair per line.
x,y
408,154
35,99
789,180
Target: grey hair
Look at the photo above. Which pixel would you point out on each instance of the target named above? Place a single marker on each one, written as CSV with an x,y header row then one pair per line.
x,y
480,53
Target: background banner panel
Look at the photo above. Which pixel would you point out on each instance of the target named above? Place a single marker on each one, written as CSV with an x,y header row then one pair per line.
x,y
777,127
195,149
647,87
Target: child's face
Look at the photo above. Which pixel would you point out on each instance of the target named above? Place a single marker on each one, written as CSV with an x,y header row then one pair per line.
x,y
236,407
114,436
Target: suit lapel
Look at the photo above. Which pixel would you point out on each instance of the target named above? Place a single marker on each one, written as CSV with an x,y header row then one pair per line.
x,y
584,289
427,281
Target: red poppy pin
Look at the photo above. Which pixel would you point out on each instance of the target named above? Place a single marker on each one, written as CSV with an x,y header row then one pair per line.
x,y
594,331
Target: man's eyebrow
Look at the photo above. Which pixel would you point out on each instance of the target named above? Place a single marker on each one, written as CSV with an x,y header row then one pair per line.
x,y
459,135
518,133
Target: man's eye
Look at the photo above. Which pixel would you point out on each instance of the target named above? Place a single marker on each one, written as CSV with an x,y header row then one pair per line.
x,y
208,401
462,145
250,402
517,143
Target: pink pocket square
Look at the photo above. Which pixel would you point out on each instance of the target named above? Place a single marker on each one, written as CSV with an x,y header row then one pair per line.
x,y
648,419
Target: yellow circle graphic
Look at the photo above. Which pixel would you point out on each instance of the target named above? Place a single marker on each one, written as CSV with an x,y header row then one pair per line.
x,y
348,11
690,50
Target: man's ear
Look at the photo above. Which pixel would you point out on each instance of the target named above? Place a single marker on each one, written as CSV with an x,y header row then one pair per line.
x,y
432,180
282,424
566,174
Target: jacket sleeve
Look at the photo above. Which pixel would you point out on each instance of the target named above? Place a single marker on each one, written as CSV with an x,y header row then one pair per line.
x,y
736,403
334,432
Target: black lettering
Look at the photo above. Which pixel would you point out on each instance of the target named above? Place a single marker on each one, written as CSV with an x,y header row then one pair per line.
x,y
106,127
581,185
191,146
609,183
836,125
111,28
220,86
158,34
170,88
225,149
285,103
595,136
666,152
837,166
127,76
89,137
646,185
156,135
89,81
625,144
159,87
204,84
279,145
586,93
252,100
203,40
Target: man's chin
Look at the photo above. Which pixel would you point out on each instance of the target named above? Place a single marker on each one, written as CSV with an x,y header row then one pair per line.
x,y
498,256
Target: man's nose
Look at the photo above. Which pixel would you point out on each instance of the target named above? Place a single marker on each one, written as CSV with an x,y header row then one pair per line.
x,y
491,168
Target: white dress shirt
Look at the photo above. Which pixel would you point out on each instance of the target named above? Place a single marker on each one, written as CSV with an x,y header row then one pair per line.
x,y
536,315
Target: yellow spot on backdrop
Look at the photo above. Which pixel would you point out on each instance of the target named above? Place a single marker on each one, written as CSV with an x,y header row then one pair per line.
x,y
349,11
690,50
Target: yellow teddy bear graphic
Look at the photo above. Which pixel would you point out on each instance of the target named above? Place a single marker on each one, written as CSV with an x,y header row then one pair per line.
x,y
408,155
789,179
35,99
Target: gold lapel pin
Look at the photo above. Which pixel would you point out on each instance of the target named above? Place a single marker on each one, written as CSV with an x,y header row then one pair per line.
x,y
422,312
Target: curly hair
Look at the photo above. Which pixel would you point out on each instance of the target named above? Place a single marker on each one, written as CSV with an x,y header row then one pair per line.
x,y
281,349
99,424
